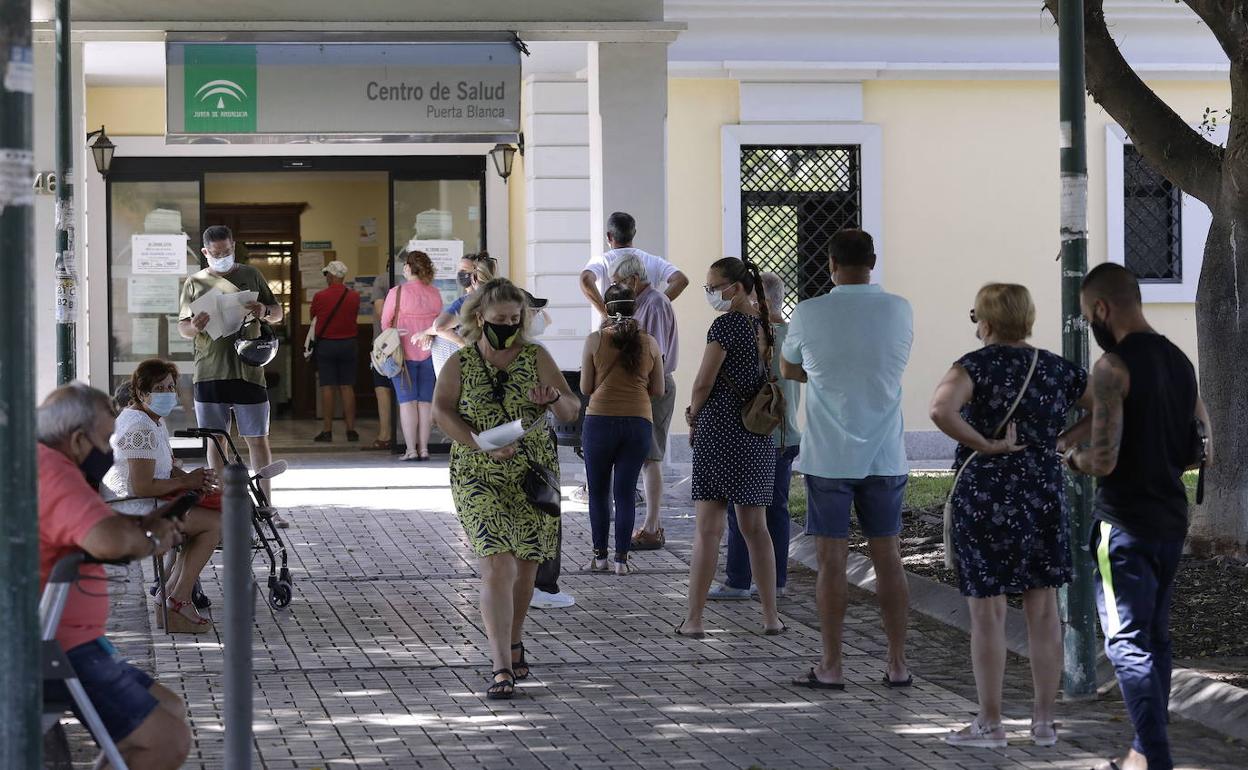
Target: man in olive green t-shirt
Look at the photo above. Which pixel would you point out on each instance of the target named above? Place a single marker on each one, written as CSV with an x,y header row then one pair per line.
x,y
225,386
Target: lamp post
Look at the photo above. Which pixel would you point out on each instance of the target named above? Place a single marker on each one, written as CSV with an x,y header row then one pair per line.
x,y
66,262
102,150
504,155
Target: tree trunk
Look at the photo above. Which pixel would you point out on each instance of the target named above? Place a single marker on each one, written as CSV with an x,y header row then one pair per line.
x,y
1221,524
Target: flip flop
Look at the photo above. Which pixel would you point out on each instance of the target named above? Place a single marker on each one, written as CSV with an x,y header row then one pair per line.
x,y
1109,764
678,630
903,683
775,631
811,680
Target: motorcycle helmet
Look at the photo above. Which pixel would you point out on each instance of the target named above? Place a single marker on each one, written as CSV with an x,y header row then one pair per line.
x,y
260,350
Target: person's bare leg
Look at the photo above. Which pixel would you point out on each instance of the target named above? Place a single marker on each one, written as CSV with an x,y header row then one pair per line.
x,y
409,419
652,482
260,455
1044,640
712,518
988,654
831,597
498,584
752,521
327,408
202,530
347,392
521,595
385,414
424,411
160,742
894,596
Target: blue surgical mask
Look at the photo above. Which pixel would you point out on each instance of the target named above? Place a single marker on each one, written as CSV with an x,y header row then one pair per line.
x,y
162,403
221,264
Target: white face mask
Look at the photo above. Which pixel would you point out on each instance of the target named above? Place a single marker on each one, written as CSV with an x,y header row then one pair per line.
x,y
221,264
717,302
537,324
162,403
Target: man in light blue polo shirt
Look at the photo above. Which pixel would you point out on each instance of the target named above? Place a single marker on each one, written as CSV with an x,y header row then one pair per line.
x,y
850,347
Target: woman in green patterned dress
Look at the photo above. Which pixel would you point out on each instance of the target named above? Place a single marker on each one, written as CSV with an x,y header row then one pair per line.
x,y
497,377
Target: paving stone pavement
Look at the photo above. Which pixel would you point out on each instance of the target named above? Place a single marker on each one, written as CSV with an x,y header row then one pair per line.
x,y
379,662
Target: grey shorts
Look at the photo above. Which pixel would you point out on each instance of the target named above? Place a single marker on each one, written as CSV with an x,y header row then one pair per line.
x,y
252,419
661,409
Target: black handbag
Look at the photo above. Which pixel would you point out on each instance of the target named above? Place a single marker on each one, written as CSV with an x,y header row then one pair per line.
x,y
541,489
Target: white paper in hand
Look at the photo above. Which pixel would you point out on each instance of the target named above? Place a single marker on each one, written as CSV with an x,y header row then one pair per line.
x,y
497,438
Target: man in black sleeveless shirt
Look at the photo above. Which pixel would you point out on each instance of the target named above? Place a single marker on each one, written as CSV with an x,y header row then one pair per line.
x,y
1137,441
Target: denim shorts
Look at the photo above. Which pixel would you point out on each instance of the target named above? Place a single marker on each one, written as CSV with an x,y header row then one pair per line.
x,y
877,499
118,691
418,384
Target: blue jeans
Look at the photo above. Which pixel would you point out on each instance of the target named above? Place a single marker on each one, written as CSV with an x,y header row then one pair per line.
x,y
1134,586
739,574
616,445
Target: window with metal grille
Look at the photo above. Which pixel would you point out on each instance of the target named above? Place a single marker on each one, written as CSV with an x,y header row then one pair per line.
x,y
793,198
1152,227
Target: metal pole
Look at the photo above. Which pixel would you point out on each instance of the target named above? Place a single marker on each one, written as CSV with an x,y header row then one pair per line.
x,y
21,743
66,262
239,611
1078,603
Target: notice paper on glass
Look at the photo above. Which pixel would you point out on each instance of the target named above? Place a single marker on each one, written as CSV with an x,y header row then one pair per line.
x,y
152,294
145,336
225,311
311,260
312,279
163,254
445,255
177,344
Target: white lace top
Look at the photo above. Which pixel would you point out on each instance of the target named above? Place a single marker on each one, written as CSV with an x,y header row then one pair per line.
x,y
136,437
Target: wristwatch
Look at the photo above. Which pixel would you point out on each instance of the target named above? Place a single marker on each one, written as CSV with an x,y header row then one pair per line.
x,y
155,541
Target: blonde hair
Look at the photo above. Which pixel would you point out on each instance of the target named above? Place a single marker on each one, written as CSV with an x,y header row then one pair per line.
x,y
489,294
1008,309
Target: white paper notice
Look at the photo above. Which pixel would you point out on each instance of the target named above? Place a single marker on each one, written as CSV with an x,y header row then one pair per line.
x,y
445,255
158,254
225,311
145,336
313,279
177,345
152,294
308,294
311,260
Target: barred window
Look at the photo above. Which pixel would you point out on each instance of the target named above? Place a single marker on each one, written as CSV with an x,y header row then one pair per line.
x,y
1152,227
793,198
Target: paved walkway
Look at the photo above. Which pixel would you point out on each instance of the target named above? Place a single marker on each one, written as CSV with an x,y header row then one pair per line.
x,y
380,662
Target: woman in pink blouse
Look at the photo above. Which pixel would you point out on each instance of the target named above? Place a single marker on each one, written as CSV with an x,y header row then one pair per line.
x,y
412,307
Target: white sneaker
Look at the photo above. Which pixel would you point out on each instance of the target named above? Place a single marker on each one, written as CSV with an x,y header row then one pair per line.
x,y
979,735
544,601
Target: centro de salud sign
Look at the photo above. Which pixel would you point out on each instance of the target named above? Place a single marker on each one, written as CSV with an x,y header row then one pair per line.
x,y
430,90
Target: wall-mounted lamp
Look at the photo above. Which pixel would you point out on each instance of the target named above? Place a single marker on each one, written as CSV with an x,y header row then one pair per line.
x,y
102,150
504,155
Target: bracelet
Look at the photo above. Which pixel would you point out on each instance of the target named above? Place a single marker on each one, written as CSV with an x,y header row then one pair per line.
x,y
155,541
1069,457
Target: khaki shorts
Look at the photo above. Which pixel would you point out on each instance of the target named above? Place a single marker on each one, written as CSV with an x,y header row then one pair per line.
x,y
661,409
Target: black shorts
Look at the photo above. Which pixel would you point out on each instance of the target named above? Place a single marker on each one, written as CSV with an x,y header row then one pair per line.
x,y
335,362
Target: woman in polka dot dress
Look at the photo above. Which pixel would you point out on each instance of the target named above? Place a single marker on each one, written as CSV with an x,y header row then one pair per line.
x,y
729,462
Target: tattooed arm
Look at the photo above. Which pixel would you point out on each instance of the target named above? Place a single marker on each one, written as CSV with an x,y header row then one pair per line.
x,y
1110,383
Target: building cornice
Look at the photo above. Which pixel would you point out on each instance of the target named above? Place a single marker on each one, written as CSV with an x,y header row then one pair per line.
x,y
824,72
928,10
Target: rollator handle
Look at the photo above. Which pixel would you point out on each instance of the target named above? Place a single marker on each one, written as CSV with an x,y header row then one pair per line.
x,y
199,433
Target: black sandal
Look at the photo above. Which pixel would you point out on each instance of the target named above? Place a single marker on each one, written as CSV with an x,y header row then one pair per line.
x,y
516,665
503,690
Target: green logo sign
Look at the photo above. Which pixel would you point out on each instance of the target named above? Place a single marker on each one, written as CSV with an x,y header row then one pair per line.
x,y
220,89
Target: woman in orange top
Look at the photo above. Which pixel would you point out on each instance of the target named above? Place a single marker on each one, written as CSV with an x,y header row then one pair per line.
x,y
621,370
412,307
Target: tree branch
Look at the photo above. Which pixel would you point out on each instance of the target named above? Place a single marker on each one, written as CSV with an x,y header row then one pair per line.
x,y
1170,145
1225,19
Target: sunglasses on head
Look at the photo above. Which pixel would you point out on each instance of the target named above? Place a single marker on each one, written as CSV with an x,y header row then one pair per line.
x,y
498,385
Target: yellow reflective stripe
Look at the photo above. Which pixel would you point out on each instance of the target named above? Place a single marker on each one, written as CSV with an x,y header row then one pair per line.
x,y
1112,622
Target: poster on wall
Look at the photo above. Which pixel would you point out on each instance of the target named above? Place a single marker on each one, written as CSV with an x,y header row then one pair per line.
x,y
153,294
445,255
177,344
145,336
311,260
368,230
163,254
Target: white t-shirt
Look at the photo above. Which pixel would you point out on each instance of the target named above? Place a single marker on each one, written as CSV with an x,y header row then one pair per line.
x,y
658,270
136,437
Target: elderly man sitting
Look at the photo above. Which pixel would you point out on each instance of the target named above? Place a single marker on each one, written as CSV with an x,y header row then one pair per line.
x,y
146,721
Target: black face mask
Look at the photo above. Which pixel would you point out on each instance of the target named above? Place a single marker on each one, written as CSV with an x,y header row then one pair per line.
x,y
1103,336
501,336
96,465
464,278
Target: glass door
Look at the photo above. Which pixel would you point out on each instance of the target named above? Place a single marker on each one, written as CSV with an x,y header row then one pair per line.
x,y
154,231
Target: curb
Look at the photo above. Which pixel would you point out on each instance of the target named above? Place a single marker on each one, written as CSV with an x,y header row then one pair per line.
x,y
1193,696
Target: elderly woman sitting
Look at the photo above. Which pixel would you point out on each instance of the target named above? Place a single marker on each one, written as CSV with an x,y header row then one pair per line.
x,y
144,468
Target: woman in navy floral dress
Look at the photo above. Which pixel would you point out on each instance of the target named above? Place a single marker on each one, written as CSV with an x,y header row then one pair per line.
x,y
1010,518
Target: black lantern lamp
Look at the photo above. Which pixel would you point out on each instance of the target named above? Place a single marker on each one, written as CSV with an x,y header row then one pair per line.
x,y
504,156
102,150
